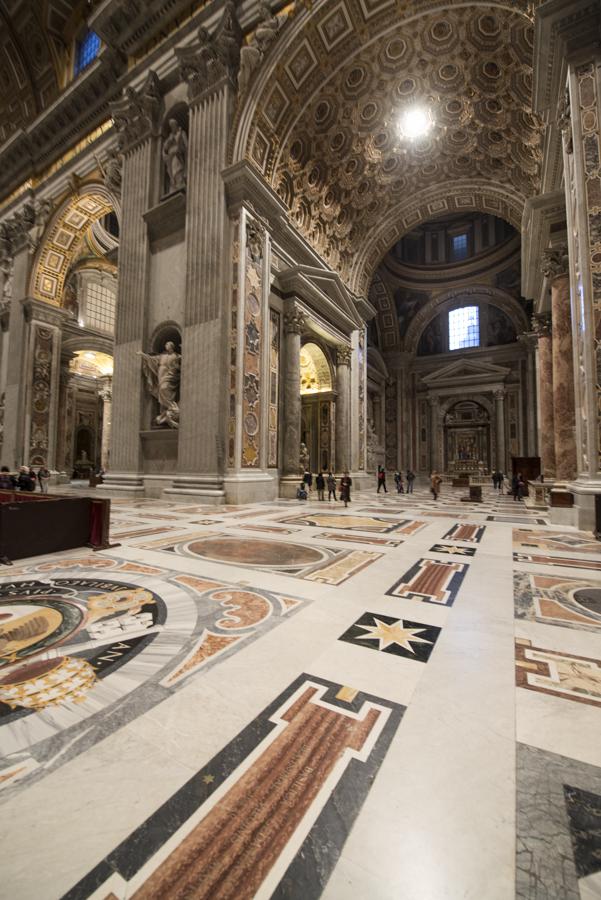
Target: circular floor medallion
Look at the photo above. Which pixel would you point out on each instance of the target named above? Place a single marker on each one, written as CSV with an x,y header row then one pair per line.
x,y
255,552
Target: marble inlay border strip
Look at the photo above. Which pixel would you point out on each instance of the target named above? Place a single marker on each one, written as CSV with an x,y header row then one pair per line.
x,y
263,810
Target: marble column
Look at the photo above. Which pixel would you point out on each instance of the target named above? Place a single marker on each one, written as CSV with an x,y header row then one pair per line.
x,y
528,341
556,268
64,443
139,135
106,395
542,326
294,324
343,390
434,436
568,42
501,459
15,287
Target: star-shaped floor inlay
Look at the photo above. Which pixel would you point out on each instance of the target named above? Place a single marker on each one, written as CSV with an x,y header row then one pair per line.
x,y
394,633
374,631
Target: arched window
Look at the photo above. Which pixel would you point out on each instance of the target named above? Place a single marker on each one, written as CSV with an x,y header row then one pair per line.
x,y
86,51
464,327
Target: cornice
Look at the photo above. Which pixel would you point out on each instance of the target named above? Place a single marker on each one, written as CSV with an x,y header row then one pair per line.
x,y
539,214
565,31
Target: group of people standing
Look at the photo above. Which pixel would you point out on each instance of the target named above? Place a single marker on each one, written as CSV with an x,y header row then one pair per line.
x,y
398,480
25,479
321,481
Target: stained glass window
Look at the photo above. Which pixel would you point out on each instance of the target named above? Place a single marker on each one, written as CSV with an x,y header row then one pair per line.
x,y
86,51
464,327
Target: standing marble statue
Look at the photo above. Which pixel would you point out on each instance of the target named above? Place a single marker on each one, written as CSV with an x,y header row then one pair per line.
x,y
175,151
162,371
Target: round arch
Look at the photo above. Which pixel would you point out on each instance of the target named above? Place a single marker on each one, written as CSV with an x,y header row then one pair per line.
x,y
62,238
469,196
316,372
484,293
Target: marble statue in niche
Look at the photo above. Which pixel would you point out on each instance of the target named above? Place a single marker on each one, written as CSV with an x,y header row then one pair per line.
x,y
162,372
175,154
304,457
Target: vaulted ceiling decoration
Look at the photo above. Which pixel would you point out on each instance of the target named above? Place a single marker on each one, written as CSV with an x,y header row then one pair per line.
x,y
62,242
34,53
325,129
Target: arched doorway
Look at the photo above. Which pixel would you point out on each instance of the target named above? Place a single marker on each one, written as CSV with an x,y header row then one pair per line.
x,y
317,406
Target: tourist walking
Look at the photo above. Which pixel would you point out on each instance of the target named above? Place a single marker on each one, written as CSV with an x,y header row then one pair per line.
x,y
320,484
381,479
345,488
518,486
435,482
398,480
410,480
308,480
43,478
331,486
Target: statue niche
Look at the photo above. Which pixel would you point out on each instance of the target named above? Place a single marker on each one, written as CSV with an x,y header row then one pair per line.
x,y
175,153
162,373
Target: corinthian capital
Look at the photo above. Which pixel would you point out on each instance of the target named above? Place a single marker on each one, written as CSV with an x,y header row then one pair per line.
x,y
137,115
555,262
213,57
541,324
343,356
294,321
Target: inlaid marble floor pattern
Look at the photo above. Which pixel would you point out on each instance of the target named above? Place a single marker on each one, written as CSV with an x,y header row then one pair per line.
x,y
298,700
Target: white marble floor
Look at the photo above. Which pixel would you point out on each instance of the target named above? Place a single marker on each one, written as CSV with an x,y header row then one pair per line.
x,y
401,699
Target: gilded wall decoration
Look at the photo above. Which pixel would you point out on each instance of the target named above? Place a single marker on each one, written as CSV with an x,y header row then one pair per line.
x,y
362,397
41,388
274,386
253,333
233,348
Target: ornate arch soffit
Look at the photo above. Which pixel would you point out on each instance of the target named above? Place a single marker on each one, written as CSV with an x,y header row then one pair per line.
x,y
319,120
62,239
446,405
495,297
470,196
387,321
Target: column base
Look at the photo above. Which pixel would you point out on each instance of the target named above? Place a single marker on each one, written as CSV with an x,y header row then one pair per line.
x,y
562,511
584,493
197,488
127,484
250,487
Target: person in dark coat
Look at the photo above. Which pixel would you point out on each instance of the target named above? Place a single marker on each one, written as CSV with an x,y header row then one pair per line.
x,y
7,481
308,480
345,488
320,484
410,480
331,486
381,479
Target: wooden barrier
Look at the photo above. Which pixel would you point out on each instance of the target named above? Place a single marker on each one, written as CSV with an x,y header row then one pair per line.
x,y
34,524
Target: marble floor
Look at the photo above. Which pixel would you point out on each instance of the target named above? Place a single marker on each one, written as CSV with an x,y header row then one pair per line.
x,y
401,699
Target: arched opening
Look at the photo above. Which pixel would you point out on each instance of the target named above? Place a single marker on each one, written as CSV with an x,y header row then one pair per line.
x,y
75,269
317,414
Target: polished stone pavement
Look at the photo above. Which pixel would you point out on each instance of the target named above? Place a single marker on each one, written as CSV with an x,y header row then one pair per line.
x,y
401,699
